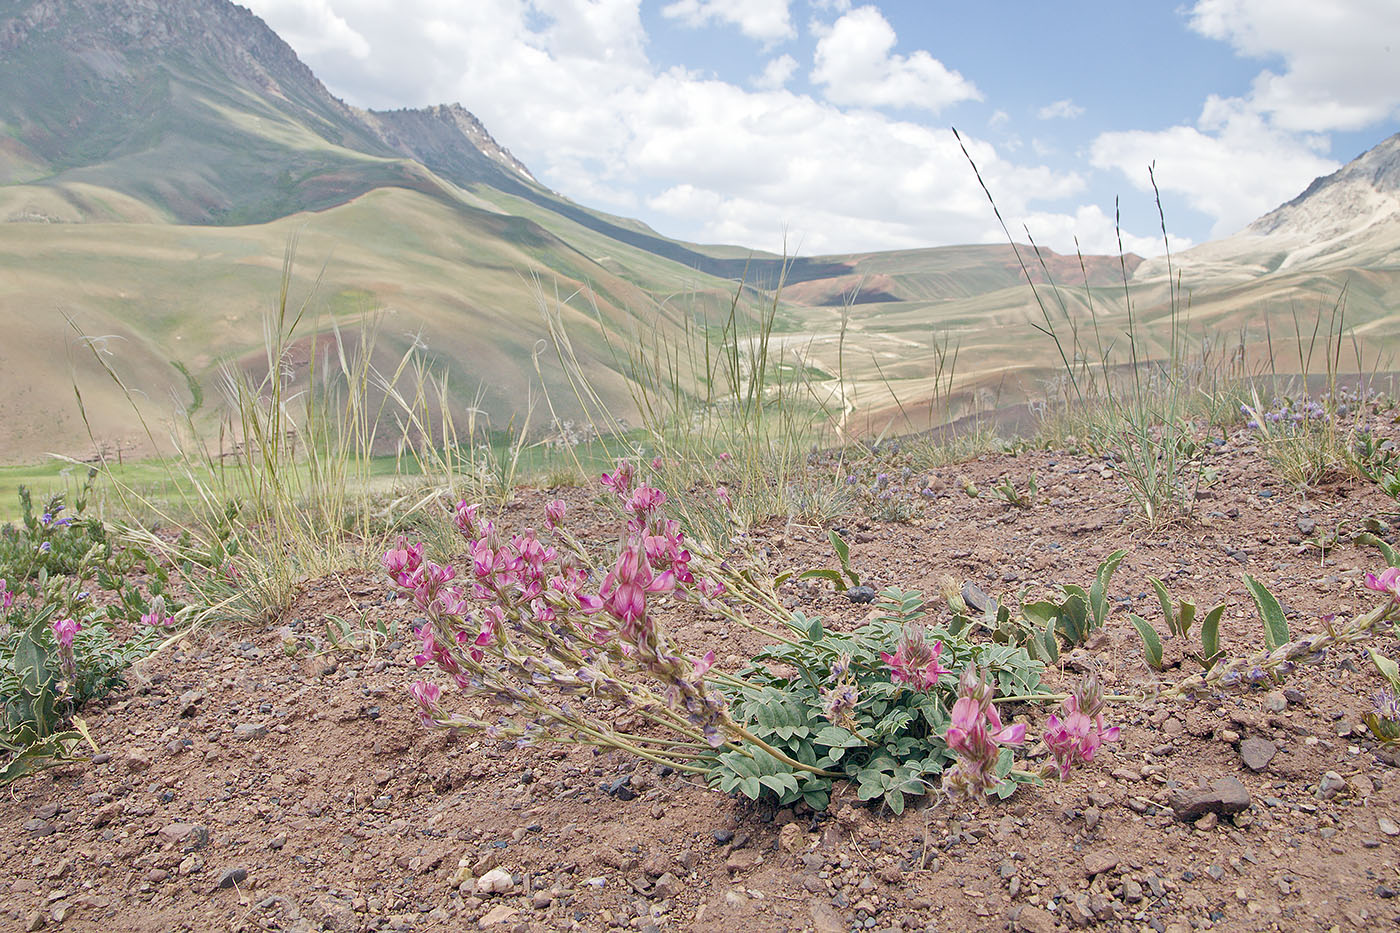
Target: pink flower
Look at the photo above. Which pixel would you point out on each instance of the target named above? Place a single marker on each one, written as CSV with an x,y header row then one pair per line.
x,y
1076,738
657,463
1387,582
620,479
64,630
913,662
628,584
554,513
644,500
726,457
402,560
465,518
7,598
157,616
722,494
703,665
426,694
975,735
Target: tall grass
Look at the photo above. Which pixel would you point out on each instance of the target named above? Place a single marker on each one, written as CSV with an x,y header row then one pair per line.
x,y
294,489
723,404
1129,401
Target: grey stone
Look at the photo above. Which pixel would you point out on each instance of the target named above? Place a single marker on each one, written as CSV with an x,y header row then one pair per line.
x,y
232,876
1331,785
1257,753
249,730
1224,796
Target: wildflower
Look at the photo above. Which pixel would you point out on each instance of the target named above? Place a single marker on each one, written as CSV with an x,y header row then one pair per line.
x,y
1387,582
839,702
64,630
703,665
620,479
626,586
465,518
554,513
975,736
644,500
156,616
402,560
657,463
1384,722
722,494
7,596
913,662
427,694
1076,738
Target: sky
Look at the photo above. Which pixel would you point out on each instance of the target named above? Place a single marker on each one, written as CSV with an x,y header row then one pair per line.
x,y
827,126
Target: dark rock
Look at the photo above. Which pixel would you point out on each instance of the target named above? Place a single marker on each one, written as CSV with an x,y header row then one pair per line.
x,y
231,877
861,594
38,827
620,788
1257,753
1224,796
978,601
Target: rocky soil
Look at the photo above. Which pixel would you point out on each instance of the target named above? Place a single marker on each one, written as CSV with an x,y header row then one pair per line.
x,y
241,787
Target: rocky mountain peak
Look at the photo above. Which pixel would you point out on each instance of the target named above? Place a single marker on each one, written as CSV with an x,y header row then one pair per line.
x,y
1360,194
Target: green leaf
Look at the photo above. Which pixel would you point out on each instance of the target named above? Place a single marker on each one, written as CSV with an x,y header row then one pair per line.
x,y
1391,558
1166,602
1151,643
895,799
1275,625
1388,668
1186,614
836,737
31,660
1210,635
825,574
815,630
54,750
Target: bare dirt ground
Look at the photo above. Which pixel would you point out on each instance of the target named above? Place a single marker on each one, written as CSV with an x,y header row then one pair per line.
x,y
241,788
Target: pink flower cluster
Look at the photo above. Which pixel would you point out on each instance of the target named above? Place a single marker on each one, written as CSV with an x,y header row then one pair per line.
x,y
1074,739
63,632
1388,582
7,596
541,594
975,736
913,662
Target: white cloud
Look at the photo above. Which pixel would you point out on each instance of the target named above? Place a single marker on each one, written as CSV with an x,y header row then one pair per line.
x,y
1060,110
767,20
855,62
568,87
312,27
776,73
1341,58
998,118
1233,165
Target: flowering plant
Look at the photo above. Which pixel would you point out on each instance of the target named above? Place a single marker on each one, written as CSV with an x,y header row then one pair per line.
x,y
566,648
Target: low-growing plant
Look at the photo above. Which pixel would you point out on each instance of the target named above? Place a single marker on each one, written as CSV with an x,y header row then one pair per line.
x,y
559,655
1179,618
1078,611
841,579
50,666
1013,496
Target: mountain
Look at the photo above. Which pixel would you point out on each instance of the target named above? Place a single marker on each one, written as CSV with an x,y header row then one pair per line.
x,y
157,158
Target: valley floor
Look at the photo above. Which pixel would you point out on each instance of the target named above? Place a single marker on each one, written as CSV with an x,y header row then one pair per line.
x,y
241,788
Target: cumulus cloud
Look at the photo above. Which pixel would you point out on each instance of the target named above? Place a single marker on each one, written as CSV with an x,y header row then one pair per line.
x,y
767,20
1341,58
1060,110
777,73
567,85
856,64
312,27
1233,165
